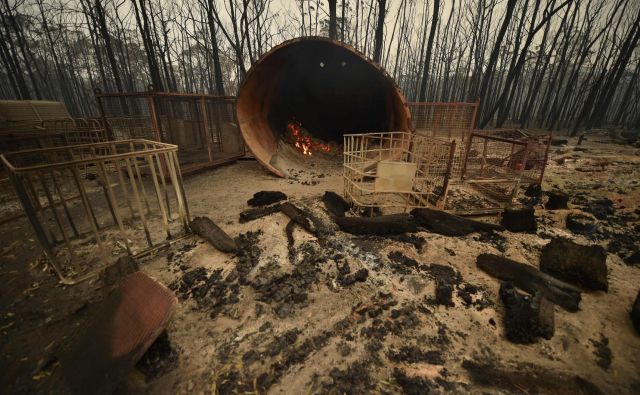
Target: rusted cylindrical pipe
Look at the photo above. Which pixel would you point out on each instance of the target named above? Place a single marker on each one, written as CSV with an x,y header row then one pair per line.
x,y
327,86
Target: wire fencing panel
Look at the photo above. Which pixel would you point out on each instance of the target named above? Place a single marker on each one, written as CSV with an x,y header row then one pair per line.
x,y
447,120
203,126
90,204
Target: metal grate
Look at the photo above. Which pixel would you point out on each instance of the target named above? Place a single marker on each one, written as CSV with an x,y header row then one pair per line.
x,y
89,204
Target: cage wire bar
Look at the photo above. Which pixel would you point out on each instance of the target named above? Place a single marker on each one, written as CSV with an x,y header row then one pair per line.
x,y
202,126
116,197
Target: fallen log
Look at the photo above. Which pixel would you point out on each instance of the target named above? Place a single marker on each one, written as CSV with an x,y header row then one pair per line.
x,y
446,224
578,264
526,318
335,204
208,230
259,212
531,280
382,225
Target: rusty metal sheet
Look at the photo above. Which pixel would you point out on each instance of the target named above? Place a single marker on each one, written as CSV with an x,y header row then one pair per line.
x,y
119,332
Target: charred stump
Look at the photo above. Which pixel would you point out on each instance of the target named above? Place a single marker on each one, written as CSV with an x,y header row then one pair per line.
x,y
526,317
519,219
557,200
578,264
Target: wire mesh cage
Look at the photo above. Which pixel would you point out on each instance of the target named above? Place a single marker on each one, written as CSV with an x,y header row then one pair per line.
x,y
400,170
395,171
491,173
10,141
203,126
89,204
454,120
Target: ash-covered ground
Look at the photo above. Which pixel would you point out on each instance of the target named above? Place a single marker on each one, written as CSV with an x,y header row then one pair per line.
x,y
335,313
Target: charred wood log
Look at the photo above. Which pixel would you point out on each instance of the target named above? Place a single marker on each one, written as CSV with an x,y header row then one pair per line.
x,y
259,212
382,225
298,216
446,224
531,280
335,204
519,219
526,318
208,230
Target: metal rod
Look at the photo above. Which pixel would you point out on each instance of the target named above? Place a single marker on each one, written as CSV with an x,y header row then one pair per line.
x,y
136,196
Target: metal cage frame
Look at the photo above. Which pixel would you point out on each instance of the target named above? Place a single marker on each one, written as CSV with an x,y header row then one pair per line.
x,y
115,195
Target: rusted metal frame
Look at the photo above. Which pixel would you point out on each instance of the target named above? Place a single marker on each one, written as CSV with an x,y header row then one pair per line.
x,y
161,202
36,224
33,194
164,182
484,156
217,106
546,158
107,126
181,188
205,124
134,159
114,204
163,147
57,217
104,189
447,176
63,201
466,156
138,203
89,212
42,210
174,181
121,182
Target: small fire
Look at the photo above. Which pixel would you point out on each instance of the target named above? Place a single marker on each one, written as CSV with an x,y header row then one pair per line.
x,y
303,141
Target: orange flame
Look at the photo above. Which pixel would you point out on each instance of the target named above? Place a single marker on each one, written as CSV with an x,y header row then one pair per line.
x,y
302,139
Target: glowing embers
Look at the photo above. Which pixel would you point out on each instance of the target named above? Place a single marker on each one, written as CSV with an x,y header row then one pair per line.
x,y
302,139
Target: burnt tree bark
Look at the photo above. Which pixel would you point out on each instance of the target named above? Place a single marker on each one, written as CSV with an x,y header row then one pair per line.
x,y
427,57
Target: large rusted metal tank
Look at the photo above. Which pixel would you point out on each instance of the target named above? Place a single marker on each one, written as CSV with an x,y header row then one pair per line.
x,y
328,87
